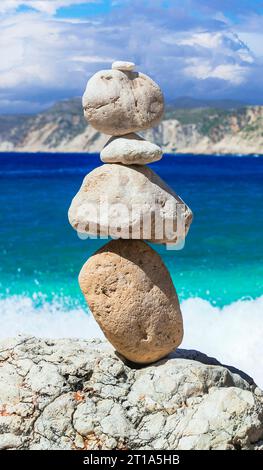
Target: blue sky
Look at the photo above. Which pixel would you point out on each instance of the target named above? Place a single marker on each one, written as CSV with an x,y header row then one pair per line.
x,y
200,48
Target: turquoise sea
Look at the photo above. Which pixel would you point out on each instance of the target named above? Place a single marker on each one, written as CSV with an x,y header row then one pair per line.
x,y
220,267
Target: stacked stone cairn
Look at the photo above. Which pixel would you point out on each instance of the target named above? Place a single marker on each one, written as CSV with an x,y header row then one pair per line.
x,y
126,285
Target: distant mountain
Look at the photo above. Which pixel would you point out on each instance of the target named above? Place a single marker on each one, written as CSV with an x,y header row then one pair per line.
x,y
196,129
187,102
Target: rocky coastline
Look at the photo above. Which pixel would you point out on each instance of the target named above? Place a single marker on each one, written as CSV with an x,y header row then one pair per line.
x,y
77,394
62,128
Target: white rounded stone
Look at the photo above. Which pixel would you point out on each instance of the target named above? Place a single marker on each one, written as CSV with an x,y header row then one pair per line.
x,y
123,65
117,102
130,149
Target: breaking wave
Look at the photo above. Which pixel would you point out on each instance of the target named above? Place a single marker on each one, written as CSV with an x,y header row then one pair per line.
x,y
233,334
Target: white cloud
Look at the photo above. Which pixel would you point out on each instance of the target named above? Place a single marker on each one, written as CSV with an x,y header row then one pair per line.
x,y
202,69
92,59
220,43
44,58
41,56
254,41
204,39
45,6
219,55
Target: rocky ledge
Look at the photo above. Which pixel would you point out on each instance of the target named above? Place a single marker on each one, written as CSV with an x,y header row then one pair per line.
x,y
76,394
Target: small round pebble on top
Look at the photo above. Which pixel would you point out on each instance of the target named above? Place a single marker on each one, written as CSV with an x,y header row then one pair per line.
x,y
122,65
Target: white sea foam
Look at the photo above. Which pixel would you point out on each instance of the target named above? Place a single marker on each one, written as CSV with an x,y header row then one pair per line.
x,y
232,334
19,315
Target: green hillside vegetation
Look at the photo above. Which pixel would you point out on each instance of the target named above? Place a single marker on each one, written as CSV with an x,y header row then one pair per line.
x,y
195,115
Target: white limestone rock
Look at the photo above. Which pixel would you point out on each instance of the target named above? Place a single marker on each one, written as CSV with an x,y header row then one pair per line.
x,y
130,202
130,149
187,401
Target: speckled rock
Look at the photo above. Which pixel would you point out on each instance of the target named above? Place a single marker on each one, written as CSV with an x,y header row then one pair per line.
x,y
132,297
118,102
187,401
130,149
129,202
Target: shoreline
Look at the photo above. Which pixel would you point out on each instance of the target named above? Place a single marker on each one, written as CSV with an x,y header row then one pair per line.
x,y
165,154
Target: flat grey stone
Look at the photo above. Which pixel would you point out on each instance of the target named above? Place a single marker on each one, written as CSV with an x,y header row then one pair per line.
x,y
130,149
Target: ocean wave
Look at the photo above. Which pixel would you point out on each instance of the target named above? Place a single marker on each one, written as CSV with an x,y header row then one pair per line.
x,y
232,334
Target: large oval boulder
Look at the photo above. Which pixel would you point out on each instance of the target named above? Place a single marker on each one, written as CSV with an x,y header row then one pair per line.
x,y
129,201
132,297
118,102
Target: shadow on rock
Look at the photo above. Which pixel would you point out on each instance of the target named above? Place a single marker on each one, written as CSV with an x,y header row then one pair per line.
x,y
192,355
